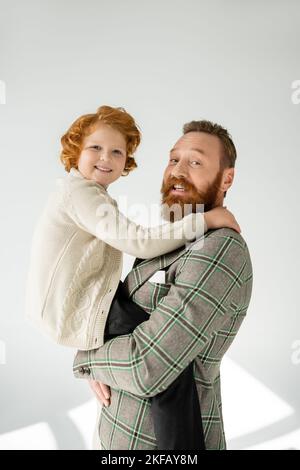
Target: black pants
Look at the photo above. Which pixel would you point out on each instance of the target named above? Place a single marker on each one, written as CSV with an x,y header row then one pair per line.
x,y
175,411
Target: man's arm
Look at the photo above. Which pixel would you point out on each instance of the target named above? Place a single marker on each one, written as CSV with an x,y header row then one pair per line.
x,y
146,361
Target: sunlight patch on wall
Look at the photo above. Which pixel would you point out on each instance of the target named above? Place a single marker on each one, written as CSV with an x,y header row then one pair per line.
x,y
290,441
84,418
36,437
248,405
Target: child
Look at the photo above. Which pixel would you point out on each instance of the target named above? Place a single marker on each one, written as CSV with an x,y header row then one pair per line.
x,y
76,253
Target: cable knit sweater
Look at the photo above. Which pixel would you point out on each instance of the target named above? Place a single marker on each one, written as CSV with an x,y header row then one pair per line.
x,y
76,258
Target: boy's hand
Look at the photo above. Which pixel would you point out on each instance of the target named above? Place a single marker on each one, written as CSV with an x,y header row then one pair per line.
x,y
220,217
101,391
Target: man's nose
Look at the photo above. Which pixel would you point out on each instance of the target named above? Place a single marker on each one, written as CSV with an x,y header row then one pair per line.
x,y
179,171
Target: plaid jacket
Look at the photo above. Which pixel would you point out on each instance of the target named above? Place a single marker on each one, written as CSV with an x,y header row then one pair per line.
x,y
195,315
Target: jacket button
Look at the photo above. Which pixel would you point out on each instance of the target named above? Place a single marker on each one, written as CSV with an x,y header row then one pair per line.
x,y
87,370
81,370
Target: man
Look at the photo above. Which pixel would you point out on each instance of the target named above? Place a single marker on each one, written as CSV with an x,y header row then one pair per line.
x,y
195,314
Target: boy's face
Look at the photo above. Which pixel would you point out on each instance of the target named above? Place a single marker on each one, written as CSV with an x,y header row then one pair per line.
x,y
103,155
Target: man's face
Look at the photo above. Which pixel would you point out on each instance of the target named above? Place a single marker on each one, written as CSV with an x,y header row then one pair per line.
x,y
194,164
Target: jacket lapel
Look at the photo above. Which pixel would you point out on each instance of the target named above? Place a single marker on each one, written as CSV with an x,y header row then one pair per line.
x,y
143,269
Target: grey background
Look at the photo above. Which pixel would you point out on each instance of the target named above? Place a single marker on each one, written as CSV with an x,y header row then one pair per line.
x,y
166,62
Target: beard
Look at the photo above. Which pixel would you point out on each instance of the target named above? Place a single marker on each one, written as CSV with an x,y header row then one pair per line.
x,y
175,207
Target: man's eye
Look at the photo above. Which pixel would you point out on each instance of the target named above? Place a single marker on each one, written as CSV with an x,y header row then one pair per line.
x,y
195,161
173,160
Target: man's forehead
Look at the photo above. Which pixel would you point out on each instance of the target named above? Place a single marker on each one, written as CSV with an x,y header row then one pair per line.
x,y
196,139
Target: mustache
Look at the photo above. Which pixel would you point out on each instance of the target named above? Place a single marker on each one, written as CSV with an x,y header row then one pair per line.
x,y
168,185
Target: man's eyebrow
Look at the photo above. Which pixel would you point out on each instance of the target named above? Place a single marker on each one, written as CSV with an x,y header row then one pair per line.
x,y
201,151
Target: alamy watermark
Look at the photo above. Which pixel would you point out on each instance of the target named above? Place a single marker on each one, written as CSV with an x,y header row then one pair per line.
x,y
295,357
2,92
2,353
186,225
295,97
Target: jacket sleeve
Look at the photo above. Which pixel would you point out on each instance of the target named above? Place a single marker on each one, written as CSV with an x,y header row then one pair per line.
x,y
146,361
97,213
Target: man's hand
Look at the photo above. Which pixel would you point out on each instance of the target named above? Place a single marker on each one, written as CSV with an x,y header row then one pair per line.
x,y
101,391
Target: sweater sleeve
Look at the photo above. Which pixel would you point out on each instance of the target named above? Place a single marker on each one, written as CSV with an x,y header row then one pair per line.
x,y
96,212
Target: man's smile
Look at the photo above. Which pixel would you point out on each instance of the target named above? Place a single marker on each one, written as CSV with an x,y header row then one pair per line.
x,y
178,189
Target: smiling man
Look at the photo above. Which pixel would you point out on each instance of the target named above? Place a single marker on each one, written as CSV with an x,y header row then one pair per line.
x,y
194,315
200,165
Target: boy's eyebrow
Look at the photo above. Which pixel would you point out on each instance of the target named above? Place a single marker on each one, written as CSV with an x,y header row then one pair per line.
x,y
91,142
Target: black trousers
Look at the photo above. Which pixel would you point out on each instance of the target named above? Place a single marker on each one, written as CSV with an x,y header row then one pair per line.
x,y
175,411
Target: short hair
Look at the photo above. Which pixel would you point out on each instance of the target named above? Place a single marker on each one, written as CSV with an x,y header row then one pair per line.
x,y
117,118
229,155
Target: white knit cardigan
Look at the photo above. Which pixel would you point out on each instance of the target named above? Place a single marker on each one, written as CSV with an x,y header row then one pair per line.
x,y
76,258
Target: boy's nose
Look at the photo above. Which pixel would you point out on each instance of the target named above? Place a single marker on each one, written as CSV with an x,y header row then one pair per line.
x,y
105,156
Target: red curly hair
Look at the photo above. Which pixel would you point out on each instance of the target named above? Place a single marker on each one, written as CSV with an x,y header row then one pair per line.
x,y
117,118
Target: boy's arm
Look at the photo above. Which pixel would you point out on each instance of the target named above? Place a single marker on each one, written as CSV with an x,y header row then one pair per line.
x,y
98,214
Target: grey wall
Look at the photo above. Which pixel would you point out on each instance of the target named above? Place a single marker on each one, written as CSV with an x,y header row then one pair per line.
x,y
166,62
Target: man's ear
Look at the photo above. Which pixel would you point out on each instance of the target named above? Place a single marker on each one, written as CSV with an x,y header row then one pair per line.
x,y
228,178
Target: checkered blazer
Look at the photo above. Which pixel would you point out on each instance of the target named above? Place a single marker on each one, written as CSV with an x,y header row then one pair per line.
x,y
195,315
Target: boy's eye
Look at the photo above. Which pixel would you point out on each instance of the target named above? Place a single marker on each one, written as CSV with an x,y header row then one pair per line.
x,y
98,147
